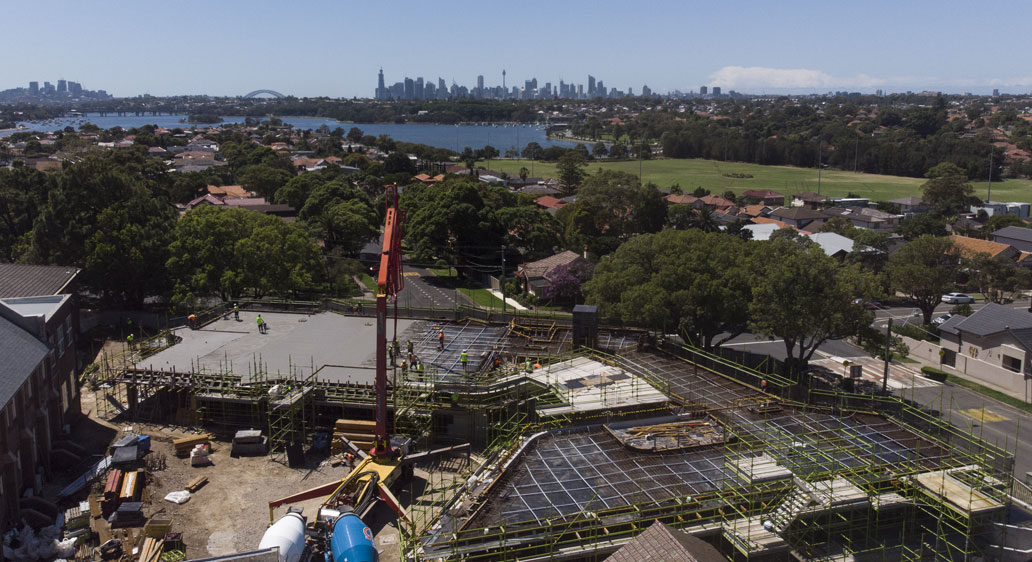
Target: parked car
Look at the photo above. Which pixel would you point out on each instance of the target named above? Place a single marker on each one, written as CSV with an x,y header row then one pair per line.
x,y
869,305
957,298
941,320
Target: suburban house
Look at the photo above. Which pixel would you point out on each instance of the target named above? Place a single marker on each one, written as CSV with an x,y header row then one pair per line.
x,y
763,231
663,543
228,191
1021,210
833,244
533,275
39,391
809,199
682,199
910,206
717,202
970,247
766,196
1016,236
865,217
798,217
993,345
549,203
754,211
428,180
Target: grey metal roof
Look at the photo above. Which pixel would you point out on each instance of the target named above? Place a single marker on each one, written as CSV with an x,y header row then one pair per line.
x,y
950,326
660,543
832,243
22,353
19,280
1024,337
1015,232
991,319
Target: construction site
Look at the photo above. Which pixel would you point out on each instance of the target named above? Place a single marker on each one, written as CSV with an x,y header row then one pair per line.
x,y
580,437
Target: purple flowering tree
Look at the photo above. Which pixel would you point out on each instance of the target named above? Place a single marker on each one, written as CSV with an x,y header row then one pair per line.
x,y
566,281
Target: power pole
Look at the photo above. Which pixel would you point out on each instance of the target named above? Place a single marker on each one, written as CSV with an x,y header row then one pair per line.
x,y
820,145
989,195
888,355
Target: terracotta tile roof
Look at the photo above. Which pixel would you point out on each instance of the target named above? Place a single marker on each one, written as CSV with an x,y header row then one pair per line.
x,y
970,246
753,210
717,201
681,199
228,191
548,201
765,220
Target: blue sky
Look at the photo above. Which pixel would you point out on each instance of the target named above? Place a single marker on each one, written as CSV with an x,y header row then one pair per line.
x,y
335,48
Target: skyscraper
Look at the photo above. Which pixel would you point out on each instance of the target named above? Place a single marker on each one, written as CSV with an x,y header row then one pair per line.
x,y
33,88
381,90
591,86
716,90
410,88
703,90
480,86
419,88
62,86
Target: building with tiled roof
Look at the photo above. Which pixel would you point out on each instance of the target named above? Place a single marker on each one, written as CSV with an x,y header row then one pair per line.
x,y
681,199
1017,236
21,280
533,274
661,543
798,217
228,191
992,346
970,247
765,196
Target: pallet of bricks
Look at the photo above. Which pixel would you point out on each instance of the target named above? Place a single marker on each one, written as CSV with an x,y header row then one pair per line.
x,y
359,432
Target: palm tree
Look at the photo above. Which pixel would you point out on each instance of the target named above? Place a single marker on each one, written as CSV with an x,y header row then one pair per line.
x,y
705,221
524,172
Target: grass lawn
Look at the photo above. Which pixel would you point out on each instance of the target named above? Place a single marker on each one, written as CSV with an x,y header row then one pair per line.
x,y
368,281
442,272
692,173
1005,398
482,297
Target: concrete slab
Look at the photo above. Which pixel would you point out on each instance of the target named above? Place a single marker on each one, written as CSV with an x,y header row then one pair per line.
x,y
340,348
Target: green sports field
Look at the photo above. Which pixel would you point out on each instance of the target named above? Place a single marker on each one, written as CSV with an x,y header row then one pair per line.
x,y
692,173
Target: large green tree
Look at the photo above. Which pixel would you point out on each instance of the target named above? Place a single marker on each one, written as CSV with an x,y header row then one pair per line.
x,y
804,297
611,207
570,170
948,190
690,282
923,270
341,215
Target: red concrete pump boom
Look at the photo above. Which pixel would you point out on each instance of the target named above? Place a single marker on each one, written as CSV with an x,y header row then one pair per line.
x,y
390,281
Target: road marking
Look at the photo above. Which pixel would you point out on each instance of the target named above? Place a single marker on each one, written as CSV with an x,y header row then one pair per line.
x,y
410,274
984,415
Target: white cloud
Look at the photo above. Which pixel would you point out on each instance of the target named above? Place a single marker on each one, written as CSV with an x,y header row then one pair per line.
x,y
754,78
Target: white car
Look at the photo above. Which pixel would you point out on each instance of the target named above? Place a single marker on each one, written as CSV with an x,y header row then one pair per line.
x,y
957,298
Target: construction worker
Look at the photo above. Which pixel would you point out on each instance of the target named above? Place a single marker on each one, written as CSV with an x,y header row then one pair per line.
x,y
419,369
763,385
261,325
528,366
440,340
236,312
404,367
193,321
390,354
410,346
129,340
464,358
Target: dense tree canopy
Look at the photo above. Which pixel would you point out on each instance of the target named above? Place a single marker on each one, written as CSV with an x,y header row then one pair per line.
x,y
924,269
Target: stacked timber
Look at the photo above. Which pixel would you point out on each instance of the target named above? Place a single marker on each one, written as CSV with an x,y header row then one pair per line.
x,y
184,445
132,486
150,551
359,432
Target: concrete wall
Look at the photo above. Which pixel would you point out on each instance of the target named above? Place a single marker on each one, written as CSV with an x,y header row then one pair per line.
x,y
983,372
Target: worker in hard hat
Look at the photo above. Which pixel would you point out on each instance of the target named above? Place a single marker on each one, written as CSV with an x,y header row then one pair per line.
x,y
440,340
464,358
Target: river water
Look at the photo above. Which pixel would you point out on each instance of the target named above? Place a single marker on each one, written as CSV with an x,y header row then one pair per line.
x,y
452,137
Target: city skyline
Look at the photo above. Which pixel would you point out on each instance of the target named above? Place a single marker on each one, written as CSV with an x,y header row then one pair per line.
x,y
418,89
803,47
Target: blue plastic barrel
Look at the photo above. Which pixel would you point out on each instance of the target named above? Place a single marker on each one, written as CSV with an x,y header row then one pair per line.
x,y
352,541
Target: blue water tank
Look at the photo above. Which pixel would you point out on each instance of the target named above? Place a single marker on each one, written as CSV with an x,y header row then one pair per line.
x,y
352,541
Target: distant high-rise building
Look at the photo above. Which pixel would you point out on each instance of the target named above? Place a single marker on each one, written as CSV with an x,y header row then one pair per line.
x,y
646,92
48,88
75,89
33,88
381,90
580,90
591,85
410,88
419,88
703,90
878,93
716,90
600,89
548,90
441,86
996,92
480,85
62,86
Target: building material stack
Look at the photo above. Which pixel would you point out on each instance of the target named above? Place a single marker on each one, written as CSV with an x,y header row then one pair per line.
x,y
249,442
185,445
359,432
